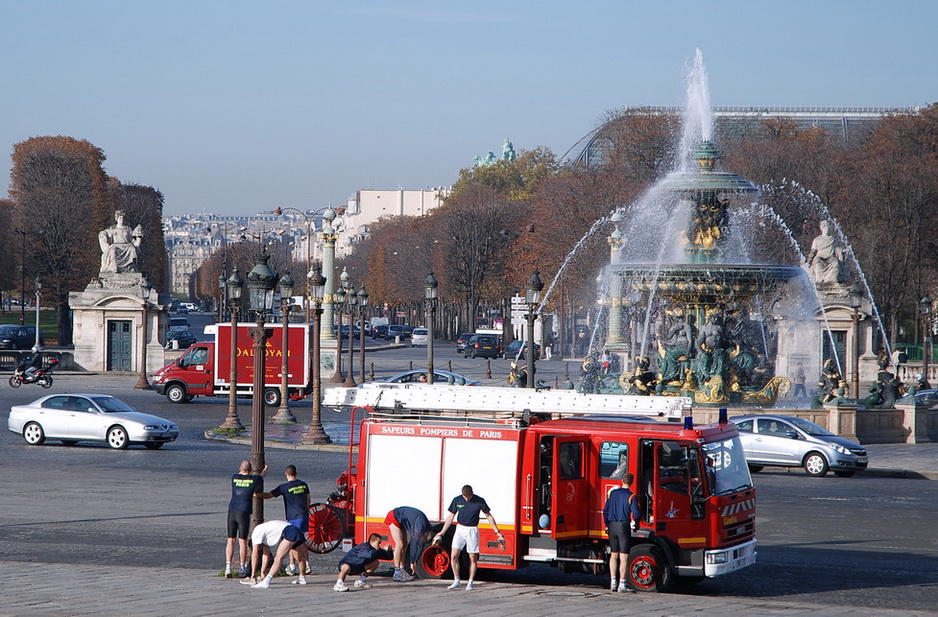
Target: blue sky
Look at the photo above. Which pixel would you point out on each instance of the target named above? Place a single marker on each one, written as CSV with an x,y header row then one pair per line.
x,y
234,107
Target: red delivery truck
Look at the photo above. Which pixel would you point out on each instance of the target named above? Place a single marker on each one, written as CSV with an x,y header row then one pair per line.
x,y
205,368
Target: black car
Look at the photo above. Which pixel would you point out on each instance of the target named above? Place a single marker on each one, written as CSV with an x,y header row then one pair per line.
x,y
183,339
516,349
482,346
19,337
379,331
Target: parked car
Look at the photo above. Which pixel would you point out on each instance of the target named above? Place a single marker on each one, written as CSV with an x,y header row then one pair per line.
x,y
461,341
440,377
787,441
482,346
182,338
922,398
394,331
182,309
419,337
71,418
19,337
516,350
345,328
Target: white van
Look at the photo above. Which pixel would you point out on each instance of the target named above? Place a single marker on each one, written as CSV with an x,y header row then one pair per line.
x,y
178,323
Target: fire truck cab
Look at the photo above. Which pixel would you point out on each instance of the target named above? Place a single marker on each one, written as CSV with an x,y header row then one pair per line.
x,y
546,478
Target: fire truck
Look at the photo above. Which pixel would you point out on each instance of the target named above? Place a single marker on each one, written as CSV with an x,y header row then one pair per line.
x,y
545,463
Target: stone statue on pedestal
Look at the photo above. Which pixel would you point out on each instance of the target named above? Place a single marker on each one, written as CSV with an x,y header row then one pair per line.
x,y
119,246
826,257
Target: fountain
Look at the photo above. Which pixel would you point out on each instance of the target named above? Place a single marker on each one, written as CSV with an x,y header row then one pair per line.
x,y
705,317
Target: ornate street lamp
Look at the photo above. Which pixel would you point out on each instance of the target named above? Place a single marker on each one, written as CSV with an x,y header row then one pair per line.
x,y
317,288
431,284
533,298
142,383
338,301
234,284
351,299
925,310
362,303
260,284
286,295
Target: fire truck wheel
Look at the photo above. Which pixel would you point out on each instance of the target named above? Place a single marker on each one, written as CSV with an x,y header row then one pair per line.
x,y
648,569
433,563
325,529
272,397
815,464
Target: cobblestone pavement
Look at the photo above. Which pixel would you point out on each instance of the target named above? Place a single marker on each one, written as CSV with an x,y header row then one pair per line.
x,y
55,590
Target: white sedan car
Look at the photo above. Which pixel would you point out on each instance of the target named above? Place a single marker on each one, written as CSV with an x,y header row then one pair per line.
x,y
71,418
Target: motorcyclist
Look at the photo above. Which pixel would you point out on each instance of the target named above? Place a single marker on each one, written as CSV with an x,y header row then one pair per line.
x,y
35,363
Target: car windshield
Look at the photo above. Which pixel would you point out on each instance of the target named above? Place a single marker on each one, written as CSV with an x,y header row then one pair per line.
x,y
810,427
727,471
112,405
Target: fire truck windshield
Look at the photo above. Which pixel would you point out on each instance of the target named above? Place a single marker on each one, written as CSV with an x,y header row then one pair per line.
x,y
727,471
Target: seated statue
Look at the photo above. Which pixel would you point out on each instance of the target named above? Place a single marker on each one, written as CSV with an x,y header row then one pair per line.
x,y
827,256
119,246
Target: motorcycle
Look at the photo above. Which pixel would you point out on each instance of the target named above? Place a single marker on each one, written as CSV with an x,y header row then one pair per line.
x,y
42,376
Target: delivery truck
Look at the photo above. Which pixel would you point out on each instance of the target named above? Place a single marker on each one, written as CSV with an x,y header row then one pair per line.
x,y
205,368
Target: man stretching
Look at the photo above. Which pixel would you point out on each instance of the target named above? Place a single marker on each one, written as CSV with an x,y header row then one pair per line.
x,y
466,508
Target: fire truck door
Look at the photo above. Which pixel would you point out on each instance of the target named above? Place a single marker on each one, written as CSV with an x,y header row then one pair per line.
x,y
570,495
677,475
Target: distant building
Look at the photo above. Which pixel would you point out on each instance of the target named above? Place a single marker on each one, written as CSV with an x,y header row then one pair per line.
x,y
368,206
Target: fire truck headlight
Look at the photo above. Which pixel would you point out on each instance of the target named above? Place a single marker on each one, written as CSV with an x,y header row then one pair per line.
x,y
716,558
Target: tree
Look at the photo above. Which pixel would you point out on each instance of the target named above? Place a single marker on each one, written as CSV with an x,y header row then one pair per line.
x,y
61,200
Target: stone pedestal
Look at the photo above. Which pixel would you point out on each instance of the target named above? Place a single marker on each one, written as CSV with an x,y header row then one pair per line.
x,y
842,420
915,422
110,327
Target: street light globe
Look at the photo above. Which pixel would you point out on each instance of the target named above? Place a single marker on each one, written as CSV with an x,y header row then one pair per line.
x,y
317,283
260,283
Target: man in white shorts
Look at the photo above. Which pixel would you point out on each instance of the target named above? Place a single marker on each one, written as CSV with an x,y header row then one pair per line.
x,y
467,510
266,536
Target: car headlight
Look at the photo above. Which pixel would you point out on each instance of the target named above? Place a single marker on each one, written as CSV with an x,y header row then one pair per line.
x,y
151,427
838,448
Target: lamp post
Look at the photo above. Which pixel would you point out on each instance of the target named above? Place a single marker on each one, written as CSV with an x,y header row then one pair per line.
x,y
533,299
338,298
856,317
142,383
925,310
317,284
260,284
351,299
286,295
221,296
362,303
431,284
38,297
235,285
22,278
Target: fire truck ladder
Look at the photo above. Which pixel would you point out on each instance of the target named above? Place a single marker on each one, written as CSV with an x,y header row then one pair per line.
x,y
501,403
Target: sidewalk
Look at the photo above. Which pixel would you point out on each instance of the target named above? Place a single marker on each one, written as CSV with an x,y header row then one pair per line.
x,y
898,460
58,589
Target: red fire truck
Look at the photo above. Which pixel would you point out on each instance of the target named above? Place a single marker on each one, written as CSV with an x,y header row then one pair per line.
x,y
205,368
546,475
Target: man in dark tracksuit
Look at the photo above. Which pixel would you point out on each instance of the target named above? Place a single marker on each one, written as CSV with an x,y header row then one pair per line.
x,y
361,560
621,515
